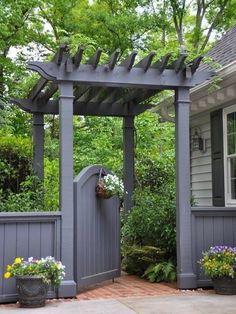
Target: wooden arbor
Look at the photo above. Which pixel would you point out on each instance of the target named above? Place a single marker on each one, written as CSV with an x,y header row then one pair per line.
x,y
120,90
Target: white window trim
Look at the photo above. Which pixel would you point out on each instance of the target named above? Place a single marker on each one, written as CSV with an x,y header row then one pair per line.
x,y
227,182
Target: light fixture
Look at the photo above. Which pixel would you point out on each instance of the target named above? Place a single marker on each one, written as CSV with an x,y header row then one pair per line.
x,y
198,143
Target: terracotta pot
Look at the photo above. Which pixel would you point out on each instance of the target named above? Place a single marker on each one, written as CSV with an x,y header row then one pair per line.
x,y
32,291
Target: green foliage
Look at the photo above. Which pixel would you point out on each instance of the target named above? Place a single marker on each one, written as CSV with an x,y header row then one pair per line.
x,y
51,185
98,140
138,258
15,162
28,199
152,220
163,271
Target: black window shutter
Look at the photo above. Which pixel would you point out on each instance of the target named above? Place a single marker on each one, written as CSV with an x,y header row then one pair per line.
x,y
217,158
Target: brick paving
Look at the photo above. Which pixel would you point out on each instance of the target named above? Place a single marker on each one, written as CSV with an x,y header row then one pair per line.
x,y
124,287
132,286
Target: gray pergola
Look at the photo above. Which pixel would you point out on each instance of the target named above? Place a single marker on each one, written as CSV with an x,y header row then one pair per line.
x,y
67,86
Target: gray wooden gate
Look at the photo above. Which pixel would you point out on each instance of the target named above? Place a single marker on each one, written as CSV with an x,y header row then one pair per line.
x,y
97,231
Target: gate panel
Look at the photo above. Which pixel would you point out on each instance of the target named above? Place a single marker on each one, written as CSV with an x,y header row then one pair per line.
x,y
97,231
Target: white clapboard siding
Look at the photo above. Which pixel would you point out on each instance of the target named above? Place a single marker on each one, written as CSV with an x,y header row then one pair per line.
x,y
201,178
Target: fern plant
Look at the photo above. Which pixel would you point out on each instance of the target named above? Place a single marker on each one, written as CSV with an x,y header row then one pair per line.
x,y
163,271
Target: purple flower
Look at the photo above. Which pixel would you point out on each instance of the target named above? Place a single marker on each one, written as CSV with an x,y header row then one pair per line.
x,y
220,249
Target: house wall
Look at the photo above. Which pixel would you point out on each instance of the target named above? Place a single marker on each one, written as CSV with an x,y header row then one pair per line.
x,y
210,225
200,163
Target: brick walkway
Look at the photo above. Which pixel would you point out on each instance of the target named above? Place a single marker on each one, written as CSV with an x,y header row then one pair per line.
x,y
132,286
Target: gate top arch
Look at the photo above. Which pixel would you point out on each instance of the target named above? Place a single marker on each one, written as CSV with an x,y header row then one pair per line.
x,y
68,86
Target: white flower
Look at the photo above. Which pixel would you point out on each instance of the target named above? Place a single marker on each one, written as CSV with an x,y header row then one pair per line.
x,y
114,185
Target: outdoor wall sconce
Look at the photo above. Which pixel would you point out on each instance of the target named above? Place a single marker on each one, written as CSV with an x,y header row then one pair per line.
x,y
198,143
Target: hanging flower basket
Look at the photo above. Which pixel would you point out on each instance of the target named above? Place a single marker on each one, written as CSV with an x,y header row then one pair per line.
x,y
109,185
101,191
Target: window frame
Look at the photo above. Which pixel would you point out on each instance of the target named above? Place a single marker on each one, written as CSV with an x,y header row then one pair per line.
x,y
227,176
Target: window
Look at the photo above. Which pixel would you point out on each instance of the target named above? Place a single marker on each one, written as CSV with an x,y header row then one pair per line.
x,y
230,154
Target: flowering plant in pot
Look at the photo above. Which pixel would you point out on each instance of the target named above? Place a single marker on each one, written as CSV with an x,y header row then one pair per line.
x,y
33,277
109,185
219,263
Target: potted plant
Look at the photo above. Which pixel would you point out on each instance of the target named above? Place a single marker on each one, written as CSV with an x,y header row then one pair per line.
x,y
219,263
109,185
33,277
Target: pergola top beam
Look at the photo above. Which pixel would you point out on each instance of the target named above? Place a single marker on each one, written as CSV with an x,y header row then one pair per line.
x,y
111,86
135,78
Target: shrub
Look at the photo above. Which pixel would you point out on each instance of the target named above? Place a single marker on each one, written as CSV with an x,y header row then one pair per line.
x,y
138,258
30,197
51,184
15,163
152,220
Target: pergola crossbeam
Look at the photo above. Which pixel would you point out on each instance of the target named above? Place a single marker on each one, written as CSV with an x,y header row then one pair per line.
x,y
78,56
50,91
36,90
113,59
162,64
195,64
129,61
94,60
145,63
60,53
80,91
179,63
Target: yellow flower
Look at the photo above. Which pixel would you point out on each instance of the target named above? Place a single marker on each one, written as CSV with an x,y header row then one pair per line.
x,y
17,260
9,268
7,275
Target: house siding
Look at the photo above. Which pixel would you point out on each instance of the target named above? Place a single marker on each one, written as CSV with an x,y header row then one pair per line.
x,y
200,163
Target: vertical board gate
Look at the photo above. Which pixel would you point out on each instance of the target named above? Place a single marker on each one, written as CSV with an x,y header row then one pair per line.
x,y
97,231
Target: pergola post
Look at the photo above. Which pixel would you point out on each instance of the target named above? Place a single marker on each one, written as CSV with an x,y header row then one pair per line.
x,y
186,278
128,139
68,287
38,144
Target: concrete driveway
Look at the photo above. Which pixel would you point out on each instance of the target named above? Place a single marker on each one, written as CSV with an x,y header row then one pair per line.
x,y
189,304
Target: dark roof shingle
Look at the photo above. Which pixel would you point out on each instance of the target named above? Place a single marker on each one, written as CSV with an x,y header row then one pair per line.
x,y
224,51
